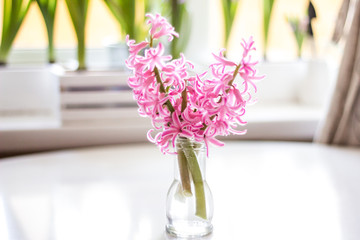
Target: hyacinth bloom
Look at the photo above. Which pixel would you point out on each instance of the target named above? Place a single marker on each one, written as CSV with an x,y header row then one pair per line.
x,y
160,27
180,104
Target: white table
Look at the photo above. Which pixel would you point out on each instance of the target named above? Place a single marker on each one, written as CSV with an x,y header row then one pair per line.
x,y
262,190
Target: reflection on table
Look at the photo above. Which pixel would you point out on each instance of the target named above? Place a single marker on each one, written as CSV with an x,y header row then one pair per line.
x,y
262,190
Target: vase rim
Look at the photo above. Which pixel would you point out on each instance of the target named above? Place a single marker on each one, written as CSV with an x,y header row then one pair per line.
x,y
181,141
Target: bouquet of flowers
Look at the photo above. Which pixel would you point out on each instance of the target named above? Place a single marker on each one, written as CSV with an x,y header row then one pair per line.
x,y
194,107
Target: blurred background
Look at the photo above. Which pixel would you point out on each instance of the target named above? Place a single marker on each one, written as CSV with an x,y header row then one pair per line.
x,y
63,79
102,26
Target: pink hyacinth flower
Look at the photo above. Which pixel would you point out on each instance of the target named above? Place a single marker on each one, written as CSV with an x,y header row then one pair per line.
x,y
160,27
153,57
135,48
222,60
247,46
177,128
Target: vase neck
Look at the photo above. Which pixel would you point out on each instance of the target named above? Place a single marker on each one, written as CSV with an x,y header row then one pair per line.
x,y
189,150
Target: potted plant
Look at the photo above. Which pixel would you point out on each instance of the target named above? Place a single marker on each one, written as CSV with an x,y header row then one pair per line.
x,y
229,12
48,9
14,13
94,96
129,14
303,81
267,11
28,94
288,74
78,13
130,17
298,27
180,19
315,86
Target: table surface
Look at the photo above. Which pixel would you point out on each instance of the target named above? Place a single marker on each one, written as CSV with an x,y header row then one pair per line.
x,y
262,190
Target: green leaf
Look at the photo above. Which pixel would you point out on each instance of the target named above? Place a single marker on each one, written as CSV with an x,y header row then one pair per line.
x,y
229,8
267,10
14,13
48,9
78,13
130,16
299,32
180,19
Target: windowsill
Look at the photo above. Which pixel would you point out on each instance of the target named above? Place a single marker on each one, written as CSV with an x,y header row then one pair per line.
x,y
258,113
97,58
291,122
267,120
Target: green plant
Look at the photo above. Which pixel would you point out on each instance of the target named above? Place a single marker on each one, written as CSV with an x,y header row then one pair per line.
x,y
47,8
180,19
177,12
130,16
267,10
78,12
14,13
299,28
229,11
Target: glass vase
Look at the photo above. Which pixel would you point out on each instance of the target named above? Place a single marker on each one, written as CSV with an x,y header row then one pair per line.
x,y
189,206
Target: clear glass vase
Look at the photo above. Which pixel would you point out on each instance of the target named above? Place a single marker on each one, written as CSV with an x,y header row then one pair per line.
x,y
189,206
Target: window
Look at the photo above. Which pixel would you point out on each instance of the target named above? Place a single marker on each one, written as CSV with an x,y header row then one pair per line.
x,y
101,26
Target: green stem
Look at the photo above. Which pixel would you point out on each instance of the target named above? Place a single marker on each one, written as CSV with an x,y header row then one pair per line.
x,y
267,11
151,42
81,50
48,9
184,173
175,23
14,12
197,177
162,89
3,55
184,100
265,46
51,50
78,11
234,76
158,80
